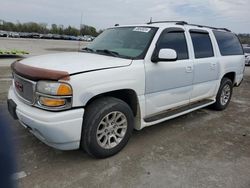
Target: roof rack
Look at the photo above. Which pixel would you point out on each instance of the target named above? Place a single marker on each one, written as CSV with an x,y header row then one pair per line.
x,y
185,23
177,22
225,29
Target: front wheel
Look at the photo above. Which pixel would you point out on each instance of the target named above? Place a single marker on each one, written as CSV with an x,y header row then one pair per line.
x,y
107,127
224,94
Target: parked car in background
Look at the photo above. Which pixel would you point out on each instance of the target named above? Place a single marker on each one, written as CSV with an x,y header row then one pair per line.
x,y
14,35
74,38
35,35
247,54
81,38
3,34
129,77
56,36
24,35
66,37
88,38
46,36
245,45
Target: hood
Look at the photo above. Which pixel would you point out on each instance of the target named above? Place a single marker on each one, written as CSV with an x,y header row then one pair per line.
x,y
75,62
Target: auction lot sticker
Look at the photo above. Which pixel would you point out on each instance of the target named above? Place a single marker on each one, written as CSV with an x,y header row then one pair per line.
x,y
142,29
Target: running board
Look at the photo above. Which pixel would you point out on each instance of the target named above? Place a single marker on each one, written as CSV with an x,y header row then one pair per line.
x,y
178,110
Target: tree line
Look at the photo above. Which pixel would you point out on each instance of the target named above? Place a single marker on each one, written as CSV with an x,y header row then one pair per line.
x,y
43,28
244,38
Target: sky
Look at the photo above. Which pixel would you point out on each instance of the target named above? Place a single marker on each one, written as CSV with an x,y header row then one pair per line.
x,y
232,14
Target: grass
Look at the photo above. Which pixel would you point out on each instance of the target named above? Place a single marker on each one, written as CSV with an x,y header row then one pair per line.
x,y
13,52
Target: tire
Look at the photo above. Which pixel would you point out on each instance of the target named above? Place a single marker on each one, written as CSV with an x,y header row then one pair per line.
x,y
100,127
226,90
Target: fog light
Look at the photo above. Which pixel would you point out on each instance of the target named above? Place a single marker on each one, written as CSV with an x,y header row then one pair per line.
x,y
52,102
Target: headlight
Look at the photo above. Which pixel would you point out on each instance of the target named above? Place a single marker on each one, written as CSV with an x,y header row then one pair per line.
x,y
54,88
53,95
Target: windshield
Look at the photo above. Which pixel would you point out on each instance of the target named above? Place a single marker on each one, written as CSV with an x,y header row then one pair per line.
x,y
126,42
247,50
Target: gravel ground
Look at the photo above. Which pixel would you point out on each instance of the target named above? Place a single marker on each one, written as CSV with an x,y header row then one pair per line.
x,y
203,149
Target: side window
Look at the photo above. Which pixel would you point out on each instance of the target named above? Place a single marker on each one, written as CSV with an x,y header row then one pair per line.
x,y
202,45
176,41
228,43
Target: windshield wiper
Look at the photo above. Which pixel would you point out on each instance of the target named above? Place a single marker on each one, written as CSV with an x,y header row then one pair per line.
x,y
109,52
105,51
88,49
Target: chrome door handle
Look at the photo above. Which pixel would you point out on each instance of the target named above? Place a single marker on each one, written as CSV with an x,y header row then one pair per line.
x,y
189,69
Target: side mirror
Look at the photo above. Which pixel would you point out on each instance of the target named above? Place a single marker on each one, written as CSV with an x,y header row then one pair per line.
x,y
167,55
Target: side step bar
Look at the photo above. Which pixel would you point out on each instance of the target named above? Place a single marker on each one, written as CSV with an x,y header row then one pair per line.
x,y
171,112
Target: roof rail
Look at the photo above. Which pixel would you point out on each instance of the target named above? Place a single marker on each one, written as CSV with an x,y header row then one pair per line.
x,y
179,22
225,29
185,23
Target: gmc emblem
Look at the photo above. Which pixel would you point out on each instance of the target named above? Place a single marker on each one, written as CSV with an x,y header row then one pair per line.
x,y
19,86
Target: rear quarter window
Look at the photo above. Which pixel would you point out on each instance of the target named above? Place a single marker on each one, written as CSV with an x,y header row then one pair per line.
x,y
228,43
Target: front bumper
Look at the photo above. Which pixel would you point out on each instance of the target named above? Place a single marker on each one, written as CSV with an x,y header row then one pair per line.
x,y
61,130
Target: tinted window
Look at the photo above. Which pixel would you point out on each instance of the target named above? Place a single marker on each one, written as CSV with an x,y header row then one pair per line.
x,y
228,43
176,41
202,45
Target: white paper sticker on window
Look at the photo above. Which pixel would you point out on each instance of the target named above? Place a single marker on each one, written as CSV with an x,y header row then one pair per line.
x,y
142,29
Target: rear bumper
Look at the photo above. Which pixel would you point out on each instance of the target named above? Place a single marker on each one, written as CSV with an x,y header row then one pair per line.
x,y
61,130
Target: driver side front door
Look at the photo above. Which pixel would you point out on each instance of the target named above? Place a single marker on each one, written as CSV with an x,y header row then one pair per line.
x,y
169,83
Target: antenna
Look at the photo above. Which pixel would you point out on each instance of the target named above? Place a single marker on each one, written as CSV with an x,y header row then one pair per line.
x,y
79,42
151,20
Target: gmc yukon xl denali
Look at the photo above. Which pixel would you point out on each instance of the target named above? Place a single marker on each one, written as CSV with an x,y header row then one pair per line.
x,y
129,77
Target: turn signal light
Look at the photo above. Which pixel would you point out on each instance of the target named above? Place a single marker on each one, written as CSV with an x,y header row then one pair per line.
x,y
51,102
64,89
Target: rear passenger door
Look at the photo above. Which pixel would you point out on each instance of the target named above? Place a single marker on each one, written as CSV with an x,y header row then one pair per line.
x,y
206,67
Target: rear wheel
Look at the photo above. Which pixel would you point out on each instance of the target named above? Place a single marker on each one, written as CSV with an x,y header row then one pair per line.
x,y
107,127
224,94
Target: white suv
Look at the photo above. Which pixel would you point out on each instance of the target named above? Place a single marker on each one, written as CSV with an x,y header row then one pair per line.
x,y
129,77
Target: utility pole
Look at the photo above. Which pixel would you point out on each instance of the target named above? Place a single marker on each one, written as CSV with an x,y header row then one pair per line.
x,y
79,43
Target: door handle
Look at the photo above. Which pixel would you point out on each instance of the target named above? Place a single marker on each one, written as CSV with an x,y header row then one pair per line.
x,y
189,69
212,66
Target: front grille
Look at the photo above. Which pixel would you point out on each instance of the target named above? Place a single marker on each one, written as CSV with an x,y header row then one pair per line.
x,y
24,88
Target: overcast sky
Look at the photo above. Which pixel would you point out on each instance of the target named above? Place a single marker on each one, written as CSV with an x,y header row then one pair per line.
x,y
233,14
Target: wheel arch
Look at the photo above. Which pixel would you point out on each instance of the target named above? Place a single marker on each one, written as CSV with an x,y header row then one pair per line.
x,y
129,96
231,76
